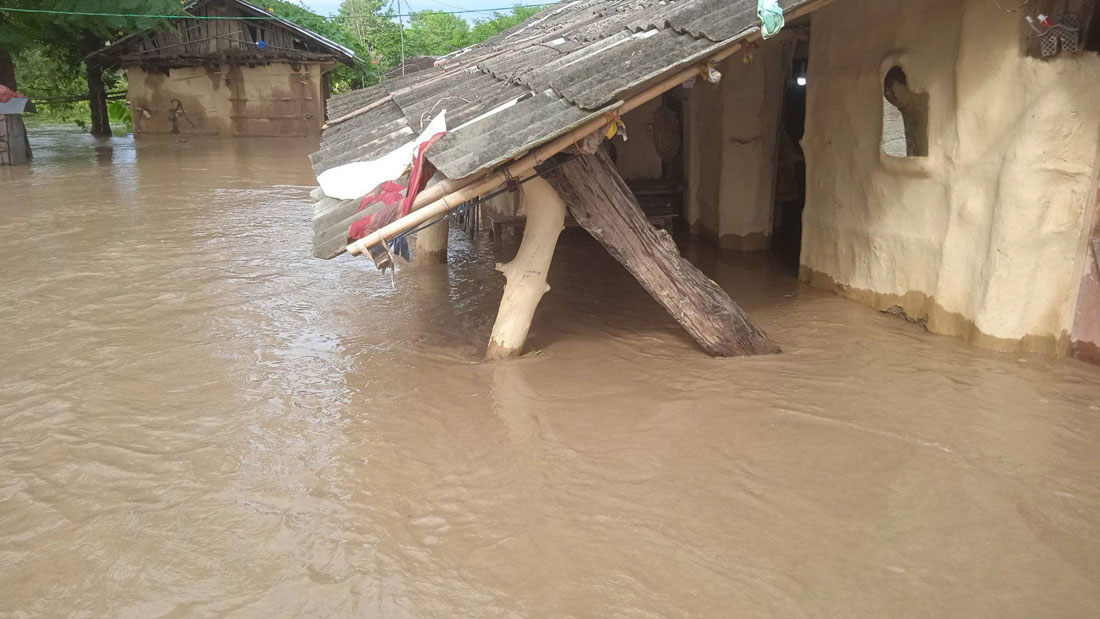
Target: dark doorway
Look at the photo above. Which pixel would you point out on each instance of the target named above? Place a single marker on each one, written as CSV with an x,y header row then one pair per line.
x,y
790,176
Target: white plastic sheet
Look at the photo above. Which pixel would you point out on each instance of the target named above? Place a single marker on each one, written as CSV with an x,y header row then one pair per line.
x,y
355,180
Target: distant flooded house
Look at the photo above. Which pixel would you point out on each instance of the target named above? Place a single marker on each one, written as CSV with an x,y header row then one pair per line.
x,y
234,70
937,159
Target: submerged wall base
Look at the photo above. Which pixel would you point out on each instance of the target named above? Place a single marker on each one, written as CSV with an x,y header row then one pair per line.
x,y
918,307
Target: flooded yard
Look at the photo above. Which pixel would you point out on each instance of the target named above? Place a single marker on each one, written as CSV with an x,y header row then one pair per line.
x,y
197,418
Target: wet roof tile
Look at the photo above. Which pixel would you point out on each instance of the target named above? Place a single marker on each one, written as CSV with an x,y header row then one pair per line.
x,y
339,105
371,136
465,95
493,140
716,20
600,73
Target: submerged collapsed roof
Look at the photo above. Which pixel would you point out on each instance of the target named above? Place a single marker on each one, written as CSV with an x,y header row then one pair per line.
x,y
518,90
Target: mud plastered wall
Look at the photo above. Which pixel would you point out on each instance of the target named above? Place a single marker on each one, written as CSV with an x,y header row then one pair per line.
x,y
983,239
731,148
230,100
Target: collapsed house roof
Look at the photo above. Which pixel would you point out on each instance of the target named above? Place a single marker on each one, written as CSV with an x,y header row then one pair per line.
x,y
224,31
563,67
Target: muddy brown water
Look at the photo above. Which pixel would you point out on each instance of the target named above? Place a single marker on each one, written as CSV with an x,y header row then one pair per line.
x,y
197,418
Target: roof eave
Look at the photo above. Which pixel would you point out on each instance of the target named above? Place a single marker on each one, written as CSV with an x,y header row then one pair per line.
x,y
347,53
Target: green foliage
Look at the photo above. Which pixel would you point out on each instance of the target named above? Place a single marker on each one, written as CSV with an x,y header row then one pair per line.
x,y
69,38
431,33
434,33
69,33
500,22
342,77
119,111
299,14
376,35
45,72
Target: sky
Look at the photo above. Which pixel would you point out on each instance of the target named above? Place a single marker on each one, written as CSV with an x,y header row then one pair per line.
x,y
328,7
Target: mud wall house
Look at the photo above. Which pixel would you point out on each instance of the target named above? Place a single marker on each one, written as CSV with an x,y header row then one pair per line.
x,y
234,70
923,157
983,232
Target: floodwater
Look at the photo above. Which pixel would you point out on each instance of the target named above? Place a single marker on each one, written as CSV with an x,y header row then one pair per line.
x,y
197,418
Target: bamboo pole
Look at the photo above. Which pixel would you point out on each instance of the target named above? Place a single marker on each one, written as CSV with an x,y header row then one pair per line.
x,y
447,199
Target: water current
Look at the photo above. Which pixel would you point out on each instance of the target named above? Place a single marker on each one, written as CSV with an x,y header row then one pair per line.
x,y
199,419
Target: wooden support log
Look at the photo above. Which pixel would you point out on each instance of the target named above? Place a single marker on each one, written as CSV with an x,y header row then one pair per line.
x,y
602,203
526,273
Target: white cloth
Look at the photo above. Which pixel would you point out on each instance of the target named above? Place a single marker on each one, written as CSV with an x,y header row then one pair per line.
x,y
355,180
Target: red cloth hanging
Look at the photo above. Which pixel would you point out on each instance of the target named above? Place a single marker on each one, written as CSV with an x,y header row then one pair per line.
x,y
389,194
396,199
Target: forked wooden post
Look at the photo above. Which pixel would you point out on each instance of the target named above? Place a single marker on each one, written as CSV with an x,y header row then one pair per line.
x,y
526,273
598,198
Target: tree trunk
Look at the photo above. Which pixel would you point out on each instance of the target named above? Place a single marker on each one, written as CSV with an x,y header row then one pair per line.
x,y
600,201
526,273
97,92
7,71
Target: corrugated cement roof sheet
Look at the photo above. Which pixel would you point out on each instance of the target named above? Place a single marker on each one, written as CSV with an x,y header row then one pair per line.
x,y
339,105
374,134
516,129
716,20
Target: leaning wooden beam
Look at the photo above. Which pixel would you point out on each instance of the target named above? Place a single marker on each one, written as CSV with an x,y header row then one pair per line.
x,y
602,203
526,273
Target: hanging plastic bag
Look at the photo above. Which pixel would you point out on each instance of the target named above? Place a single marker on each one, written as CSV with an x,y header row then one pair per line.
x,y
771,17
